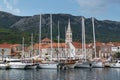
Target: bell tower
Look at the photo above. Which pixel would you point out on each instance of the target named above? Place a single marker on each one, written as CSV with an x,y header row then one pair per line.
x,y
68,33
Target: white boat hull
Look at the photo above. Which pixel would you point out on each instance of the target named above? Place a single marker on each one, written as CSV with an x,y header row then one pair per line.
x,y
17,65
98,65
48,65
4,66
83,65
115,65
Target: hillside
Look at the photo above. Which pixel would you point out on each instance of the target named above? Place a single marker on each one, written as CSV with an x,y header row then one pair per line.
x,y
13,28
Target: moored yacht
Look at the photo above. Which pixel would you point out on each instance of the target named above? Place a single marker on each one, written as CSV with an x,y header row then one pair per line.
x,y
83,65
115,65
98,64
48,65
16,64
71,64
31,66
68,63
4,65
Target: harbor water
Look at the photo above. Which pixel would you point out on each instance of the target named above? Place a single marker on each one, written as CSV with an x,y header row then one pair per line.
x,y
54,74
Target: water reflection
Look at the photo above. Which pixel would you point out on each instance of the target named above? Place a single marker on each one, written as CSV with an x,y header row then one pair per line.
x,y
53,74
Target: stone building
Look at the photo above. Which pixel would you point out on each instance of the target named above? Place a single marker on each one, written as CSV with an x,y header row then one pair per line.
x,y
5,50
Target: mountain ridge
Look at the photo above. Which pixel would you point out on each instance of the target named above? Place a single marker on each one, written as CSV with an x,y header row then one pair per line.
x,y
18,26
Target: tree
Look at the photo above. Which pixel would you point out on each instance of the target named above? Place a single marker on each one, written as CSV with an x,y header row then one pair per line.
x,y
117,55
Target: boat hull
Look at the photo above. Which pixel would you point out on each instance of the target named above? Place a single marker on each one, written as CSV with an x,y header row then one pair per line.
x,y
17,65
71,66
31,66
115,65
83,65
98,65
47,66
4,66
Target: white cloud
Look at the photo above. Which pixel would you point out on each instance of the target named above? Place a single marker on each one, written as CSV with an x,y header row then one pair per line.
x,y
96,7
92,7
17,10
15,2
10,8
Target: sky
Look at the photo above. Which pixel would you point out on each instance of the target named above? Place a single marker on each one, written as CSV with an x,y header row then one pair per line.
x,y
100,9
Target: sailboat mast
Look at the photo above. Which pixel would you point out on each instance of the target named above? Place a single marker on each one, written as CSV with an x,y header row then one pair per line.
x,y
40,34
58,40
66,55
32,43
94,36
83,39
23,47
51,35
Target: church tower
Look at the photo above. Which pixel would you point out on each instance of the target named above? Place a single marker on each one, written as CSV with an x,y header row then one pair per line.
x,y
68,33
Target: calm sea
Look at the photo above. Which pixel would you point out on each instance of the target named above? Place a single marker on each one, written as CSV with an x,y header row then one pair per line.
x,y
53,74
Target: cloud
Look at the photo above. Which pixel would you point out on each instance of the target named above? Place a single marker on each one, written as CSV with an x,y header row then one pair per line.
x,y
96,7
10,8
15,2
91,6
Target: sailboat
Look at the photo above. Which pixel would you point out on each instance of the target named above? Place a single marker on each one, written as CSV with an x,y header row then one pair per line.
x,y
116,64
70,61
21,63
17,63
48,64
30,61
96,63
84,63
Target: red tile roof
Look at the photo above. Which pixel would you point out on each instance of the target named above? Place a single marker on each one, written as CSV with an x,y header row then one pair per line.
x,y
15,45
77,44
116,43
46,40
5,45
54,45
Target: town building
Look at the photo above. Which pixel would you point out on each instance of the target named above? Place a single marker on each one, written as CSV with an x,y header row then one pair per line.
x,y
68,49
5,50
